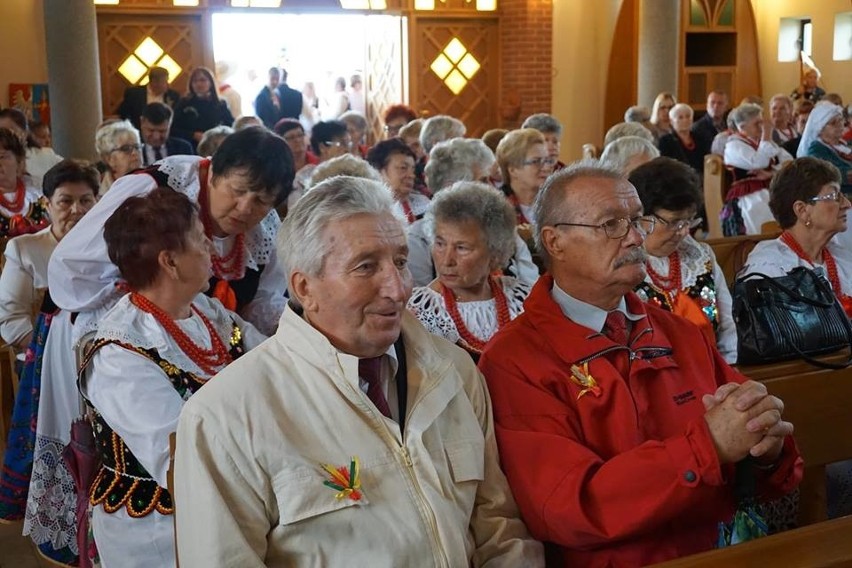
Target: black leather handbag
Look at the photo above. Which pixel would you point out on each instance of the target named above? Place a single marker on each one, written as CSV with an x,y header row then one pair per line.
x,y
787,317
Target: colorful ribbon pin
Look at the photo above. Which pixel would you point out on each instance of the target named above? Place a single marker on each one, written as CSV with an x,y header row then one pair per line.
x,y
346,481
585,380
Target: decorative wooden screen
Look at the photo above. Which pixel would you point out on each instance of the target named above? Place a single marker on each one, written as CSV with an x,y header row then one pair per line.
x,y
130,43
455,70
385,70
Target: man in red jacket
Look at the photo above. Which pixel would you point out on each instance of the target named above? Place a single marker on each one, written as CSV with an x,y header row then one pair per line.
x,y
618,423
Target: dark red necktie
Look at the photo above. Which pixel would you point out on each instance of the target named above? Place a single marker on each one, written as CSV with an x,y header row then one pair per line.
x,y
370,370
616,327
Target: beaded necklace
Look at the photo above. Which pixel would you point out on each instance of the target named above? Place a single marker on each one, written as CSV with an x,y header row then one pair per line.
x,y
406,208
232,266
208,360
17,202
830,266
468,339
671,285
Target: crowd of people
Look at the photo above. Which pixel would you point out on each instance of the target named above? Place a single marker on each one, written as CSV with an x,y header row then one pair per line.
x,y
475,352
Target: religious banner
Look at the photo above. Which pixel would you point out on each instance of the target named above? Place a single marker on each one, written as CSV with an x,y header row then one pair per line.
x,y
32,100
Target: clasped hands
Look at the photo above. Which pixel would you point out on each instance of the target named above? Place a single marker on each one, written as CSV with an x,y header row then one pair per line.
x,y
744,419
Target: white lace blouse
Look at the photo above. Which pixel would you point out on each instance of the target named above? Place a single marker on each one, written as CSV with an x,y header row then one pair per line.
x,y
480,317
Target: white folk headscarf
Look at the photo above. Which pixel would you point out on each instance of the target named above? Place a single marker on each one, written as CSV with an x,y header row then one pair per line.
x,y
822,114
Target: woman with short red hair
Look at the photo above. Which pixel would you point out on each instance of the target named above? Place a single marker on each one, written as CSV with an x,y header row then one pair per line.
x,y
157,346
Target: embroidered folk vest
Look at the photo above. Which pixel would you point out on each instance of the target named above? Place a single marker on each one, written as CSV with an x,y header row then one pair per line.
x,y
122,481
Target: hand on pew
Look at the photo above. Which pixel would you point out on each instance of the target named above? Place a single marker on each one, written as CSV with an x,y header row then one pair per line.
x,y
745,419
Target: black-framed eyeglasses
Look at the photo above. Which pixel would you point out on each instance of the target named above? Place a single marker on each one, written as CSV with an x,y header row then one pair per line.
x,y
540,162
619,227
680,225
128,149
835,195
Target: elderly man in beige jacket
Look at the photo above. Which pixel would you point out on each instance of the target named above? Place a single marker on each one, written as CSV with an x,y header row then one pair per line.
x,y
352,437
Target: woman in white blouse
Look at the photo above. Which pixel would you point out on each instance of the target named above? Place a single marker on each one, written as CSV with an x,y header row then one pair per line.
x,y
808,204
682,275
753,157
70,188
157,346
472,230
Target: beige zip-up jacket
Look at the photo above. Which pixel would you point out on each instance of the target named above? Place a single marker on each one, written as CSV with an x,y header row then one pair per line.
x,y
249,485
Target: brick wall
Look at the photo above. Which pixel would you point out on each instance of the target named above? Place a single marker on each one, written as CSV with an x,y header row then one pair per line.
x,y
526,28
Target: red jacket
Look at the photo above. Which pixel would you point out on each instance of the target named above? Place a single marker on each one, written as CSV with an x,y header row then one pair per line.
x,y
628,476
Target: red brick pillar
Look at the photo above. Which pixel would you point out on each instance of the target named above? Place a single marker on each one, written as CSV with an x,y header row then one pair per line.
x,y
526,43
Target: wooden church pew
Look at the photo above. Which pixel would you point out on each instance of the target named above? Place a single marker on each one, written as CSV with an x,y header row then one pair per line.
x,y
816,402
732,252
715,189
823,545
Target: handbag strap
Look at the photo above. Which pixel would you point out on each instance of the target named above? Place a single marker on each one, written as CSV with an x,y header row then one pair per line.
x,y
792,293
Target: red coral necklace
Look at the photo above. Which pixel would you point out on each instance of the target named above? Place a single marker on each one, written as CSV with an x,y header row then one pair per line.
x,y
469,340
17,202
406,208
830,266
670,285
208,360
232,266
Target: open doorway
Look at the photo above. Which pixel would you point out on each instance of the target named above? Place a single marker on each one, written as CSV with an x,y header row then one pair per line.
x,y
313,48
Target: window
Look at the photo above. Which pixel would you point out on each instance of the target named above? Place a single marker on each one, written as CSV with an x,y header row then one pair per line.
x,y
843,37
794,35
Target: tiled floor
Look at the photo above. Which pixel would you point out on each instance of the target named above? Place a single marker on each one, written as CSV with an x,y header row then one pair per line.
x,y
18,551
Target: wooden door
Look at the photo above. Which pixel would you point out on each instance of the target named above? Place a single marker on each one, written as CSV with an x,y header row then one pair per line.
x,y
140,41
384,84
456,69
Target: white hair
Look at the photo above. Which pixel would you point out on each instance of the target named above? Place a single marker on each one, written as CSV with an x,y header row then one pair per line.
x,y
455,160
440,128
618,152
302,245
107,135
345,165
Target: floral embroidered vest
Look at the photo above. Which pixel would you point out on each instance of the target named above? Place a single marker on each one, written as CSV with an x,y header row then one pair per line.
x,y
122,481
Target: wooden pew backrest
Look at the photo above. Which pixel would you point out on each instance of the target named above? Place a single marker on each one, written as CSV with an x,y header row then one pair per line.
x,y
816,401
732,252
823,544
715,188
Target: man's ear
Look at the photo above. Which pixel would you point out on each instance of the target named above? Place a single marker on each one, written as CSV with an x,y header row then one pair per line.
x,y
553,243
303,291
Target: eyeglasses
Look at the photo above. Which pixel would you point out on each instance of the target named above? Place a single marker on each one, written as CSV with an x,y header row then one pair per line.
x,y
339,144
393,128
128,149
835,195
619,227
540,162
679,226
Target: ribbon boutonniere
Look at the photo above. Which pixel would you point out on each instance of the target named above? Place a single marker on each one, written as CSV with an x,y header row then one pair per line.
x,y
587,383
346,481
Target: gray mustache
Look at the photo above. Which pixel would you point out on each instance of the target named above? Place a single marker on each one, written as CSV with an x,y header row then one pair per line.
x,y
635,256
